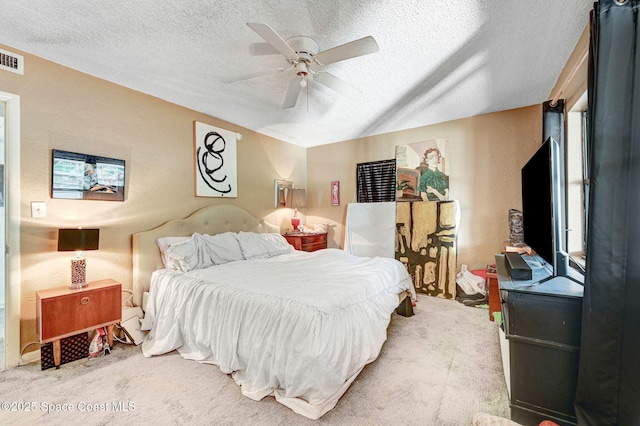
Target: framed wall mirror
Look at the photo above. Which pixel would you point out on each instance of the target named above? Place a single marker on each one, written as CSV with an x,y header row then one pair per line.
x,y
282,188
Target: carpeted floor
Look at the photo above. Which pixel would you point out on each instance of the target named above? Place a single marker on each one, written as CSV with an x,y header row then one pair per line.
x,y
440,367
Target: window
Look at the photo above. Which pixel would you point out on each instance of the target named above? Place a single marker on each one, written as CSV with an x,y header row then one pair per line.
x,y
376,181
577,160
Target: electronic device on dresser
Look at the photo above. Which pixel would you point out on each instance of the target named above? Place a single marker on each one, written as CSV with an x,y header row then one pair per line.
x,y
517,267
541,301
542,211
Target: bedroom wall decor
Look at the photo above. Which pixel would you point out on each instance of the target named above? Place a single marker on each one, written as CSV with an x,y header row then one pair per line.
x,y
335,193
426,244
282,188
77,176
422,171
215,161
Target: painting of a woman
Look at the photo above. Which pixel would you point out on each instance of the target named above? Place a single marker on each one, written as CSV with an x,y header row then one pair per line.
x,y
434,184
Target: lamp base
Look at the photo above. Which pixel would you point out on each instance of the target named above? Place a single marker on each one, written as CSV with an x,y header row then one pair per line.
x,y
78,273
295,222
78,286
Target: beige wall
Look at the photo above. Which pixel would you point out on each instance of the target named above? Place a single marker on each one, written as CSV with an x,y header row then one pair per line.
x,y
486,154
65,109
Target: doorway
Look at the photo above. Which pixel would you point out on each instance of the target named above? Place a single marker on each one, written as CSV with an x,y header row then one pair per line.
x,y
10,231
2,239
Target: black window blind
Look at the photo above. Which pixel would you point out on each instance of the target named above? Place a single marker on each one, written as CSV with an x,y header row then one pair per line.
x,y
376,181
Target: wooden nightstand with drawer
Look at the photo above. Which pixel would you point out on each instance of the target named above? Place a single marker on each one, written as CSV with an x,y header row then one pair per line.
x,y
64,312
307,242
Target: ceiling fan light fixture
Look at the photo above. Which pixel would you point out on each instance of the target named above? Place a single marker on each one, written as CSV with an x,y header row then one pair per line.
x,y
301,72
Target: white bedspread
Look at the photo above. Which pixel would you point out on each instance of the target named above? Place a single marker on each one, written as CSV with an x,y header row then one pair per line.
x,y
299,326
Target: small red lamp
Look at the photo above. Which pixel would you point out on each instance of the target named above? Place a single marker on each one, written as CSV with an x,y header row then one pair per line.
x,y
298,201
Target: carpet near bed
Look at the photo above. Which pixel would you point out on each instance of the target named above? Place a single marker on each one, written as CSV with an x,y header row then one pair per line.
x,y
440,367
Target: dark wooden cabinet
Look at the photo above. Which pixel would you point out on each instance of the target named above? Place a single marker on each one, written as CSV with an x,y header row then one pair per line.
x,y
542,321
307,242
63,312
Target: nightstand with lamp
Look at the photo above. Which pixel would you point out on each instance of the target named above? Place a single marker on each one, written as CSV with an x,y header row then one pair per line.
x,y
301,240
67,312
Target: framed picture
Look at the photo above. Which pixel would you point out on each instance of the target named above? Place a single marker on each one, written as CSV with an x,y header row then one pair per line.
x,y
282,188
335,193
76,176
215,161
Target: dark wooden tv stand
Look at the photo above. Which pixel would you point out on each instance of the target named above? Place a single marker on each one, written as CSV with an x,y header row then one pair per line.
x,y
542,320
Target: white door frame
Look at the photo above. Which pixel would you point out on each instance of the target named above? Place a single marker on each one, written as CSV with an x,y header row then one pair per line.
x,y
12,227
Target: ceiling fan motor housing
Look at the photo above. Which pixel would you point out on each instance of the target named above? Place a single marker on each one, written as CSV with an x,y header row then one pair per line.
x,y
305,47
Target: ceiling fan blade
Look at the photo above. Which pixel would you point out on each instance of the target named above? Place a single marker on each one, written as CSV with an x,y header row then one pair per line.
x,y
262,73
360,47
340,86
291,97
259,49
271,37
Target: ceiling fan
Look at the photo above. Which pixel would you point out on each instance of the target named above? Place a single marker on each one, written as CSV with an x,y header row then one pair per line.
x,y
303,55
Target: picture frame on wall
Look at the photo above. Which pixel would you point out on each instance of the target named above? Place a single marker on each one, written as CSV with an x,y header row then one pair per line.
x,y
282,189
215,161
335,193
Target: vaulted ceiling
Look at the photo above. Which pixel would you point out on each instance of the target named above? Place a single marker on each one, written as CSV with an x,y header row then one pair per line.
x,y
438,60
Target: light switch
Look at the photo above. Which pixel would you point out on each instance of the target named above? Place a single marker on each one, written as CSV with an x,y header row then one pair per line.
x,y
38,209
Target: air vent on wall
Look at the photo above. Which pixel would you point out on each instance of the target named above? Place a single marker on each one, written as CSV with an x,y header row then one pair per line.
x,y
11,62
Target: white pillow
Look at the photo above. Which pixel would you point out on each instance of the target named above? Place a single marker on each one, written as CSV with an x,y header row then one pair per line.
x,y
262,246
223,247
202,251
163,244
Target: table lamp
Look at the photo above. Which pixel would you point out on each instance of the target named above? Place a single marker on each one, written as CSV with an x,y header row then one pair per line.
x,y
298,201
78,240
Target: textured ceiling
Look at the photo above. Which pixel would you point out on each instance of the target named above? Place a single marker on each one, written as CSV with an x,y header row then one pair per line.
x,y
438,60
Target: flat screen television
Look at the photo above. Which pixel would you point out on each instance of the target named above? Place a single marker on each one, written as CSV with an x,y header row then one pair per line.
x,y
79,176
542,215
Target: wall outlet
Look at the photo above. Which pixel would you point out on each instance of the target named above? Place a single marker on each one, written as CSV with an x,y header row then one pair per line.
x,y
38,209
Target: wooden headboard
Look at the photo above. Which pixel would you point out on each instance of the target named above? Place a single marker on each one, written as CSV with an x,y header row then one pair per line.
x,y
208,220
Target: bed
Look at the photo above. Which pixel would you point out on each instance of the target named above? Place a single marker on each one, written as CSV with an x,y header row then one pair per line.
x,y
299,326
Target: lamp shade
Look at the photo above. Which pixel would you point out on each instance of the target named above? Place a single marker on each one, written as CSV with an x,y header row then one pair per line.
x,y
74,239
298,199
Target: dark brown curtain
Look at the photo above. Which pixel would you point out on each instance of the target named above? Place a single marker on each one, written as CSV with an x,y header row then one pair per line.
x,y
608,391
376,181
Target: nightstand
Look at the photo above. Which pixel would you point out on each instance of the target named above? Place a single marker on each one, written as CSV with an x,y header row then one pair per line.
x,y
307,242
64,312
